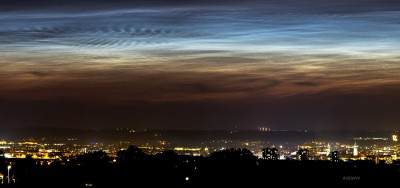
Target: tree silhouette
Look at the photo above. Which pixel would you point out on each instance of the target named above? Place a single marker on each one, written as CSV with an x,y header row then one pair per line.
x,y
168,155
95,158
233,154
131,153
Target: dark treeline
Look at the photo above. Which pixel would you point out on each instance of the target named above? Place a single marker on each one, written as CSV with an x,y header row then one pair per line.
x,y
232,167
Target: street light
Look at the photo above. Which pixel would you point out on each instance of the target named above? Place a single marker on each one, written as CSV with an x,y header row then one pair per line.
x,y
8,173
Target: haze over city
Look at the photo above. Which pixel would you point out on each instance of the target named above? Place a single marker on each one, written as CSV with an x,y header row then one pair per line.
x,y
287,65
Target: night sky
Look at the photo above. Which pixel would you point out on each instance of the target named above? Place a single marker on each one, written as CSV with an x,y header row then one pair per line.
x,y
285,64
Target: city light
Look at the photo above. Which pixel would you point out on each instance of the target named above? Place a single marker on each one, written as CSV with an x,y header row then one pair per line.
x,y
188,149
186,178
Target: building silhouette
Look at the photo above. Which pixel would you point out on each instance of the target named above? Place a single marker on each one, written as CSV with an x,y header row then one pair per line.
x,y
267,153
275,154
303,155
270,154
334,155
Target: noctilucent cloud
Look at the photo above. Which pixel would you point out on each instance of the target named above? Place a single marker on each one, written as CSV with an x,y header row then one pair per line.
x,y
287,64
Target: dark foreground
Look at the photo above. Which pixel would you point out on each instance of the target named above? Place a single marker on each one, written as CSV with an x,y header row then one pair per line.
x,y
132,168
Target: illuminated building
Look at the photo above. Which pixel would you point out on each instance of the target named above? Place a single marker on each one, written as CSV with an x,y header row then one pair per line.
x,y
267,154
270,154
328,149
355,149
362,156
394,138
188,151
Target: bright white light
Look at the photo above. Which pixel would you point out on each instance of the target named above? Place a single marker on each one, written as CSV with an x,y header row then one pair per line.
x,y
9,167
187,178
